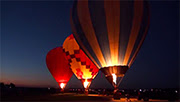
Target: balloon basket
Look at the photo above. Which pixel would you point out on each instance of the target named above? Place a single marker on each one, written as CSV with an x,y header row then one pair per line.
x,y
116,94
86,91
115,89
62,91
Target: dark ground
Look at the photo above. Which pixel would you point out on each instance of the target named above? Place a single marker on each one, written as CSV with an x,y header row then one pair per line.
x,y
56,97
12,93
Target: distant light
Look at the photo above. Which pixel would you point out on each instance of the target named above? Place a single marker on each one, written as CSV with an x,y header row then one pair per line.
x,y
10,87
140,90
151,89
122,90
49,88
176,91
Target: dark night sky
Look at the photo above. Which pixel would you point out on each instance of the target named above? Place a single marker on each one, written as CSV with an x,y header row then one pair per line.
x,y
30,29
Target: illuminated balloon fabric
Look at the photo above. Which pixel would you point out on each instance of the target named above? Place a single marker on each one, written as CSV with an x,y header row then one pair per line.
x,y
58,65
80,64
110,32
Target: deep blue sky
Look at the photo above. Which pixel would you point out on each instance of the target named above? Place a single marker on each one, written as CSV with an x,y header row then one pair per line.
x,y
30,29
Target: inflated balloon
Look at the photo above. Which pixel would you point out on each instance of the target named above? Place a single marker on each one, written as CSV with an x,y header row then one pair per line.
x,y
81,65
110,32
59,66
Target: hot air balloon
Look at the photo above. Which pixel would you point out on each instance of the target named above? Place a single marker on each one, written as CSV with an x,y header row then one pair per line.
x,y
110,32
59,66
83,68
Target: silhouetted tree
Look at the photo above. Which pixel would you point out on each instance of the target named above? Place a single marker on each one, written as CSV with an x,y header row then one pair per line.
x,y
2,85
12,85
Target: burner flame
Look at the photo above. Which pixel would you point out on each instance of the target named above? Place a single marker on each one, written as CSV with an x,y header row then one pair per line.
x,y
86,83
114,78
62,85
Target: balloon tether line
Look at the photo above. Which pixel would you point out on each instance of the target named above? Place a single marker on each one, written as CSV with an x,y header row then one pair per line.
x,y
120,81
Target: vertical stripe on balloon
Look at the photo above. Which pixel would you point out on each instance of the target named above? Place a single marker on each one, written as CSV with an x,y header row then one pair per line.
x,y
126,19
99,25
112,9
79,34
138,13
86,24
146,26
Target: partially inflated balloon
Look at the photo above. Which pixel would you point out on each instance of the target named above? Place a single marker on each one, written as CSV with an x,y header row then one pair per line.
x,y
110,32
81,65
59,66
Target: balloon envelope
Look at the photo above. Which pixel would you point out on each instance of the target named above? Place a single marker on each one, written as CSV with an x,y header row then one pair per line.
x,y
59,66
110,32
81,65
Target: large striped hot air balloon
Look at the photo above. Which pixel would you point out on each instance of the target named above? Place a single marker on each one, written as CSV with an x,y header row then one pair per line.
x,y
110,32
83,68
59,66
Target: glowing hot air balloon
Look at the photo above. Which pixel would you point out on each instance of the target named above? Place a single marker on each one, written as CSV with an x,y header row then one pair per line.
x,y
110,32
59,66
81,65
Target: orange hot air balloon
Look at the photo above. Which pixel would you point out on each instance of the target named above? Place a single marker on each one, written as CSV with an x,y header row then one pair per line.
x,y
110,32
59,66
81,65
